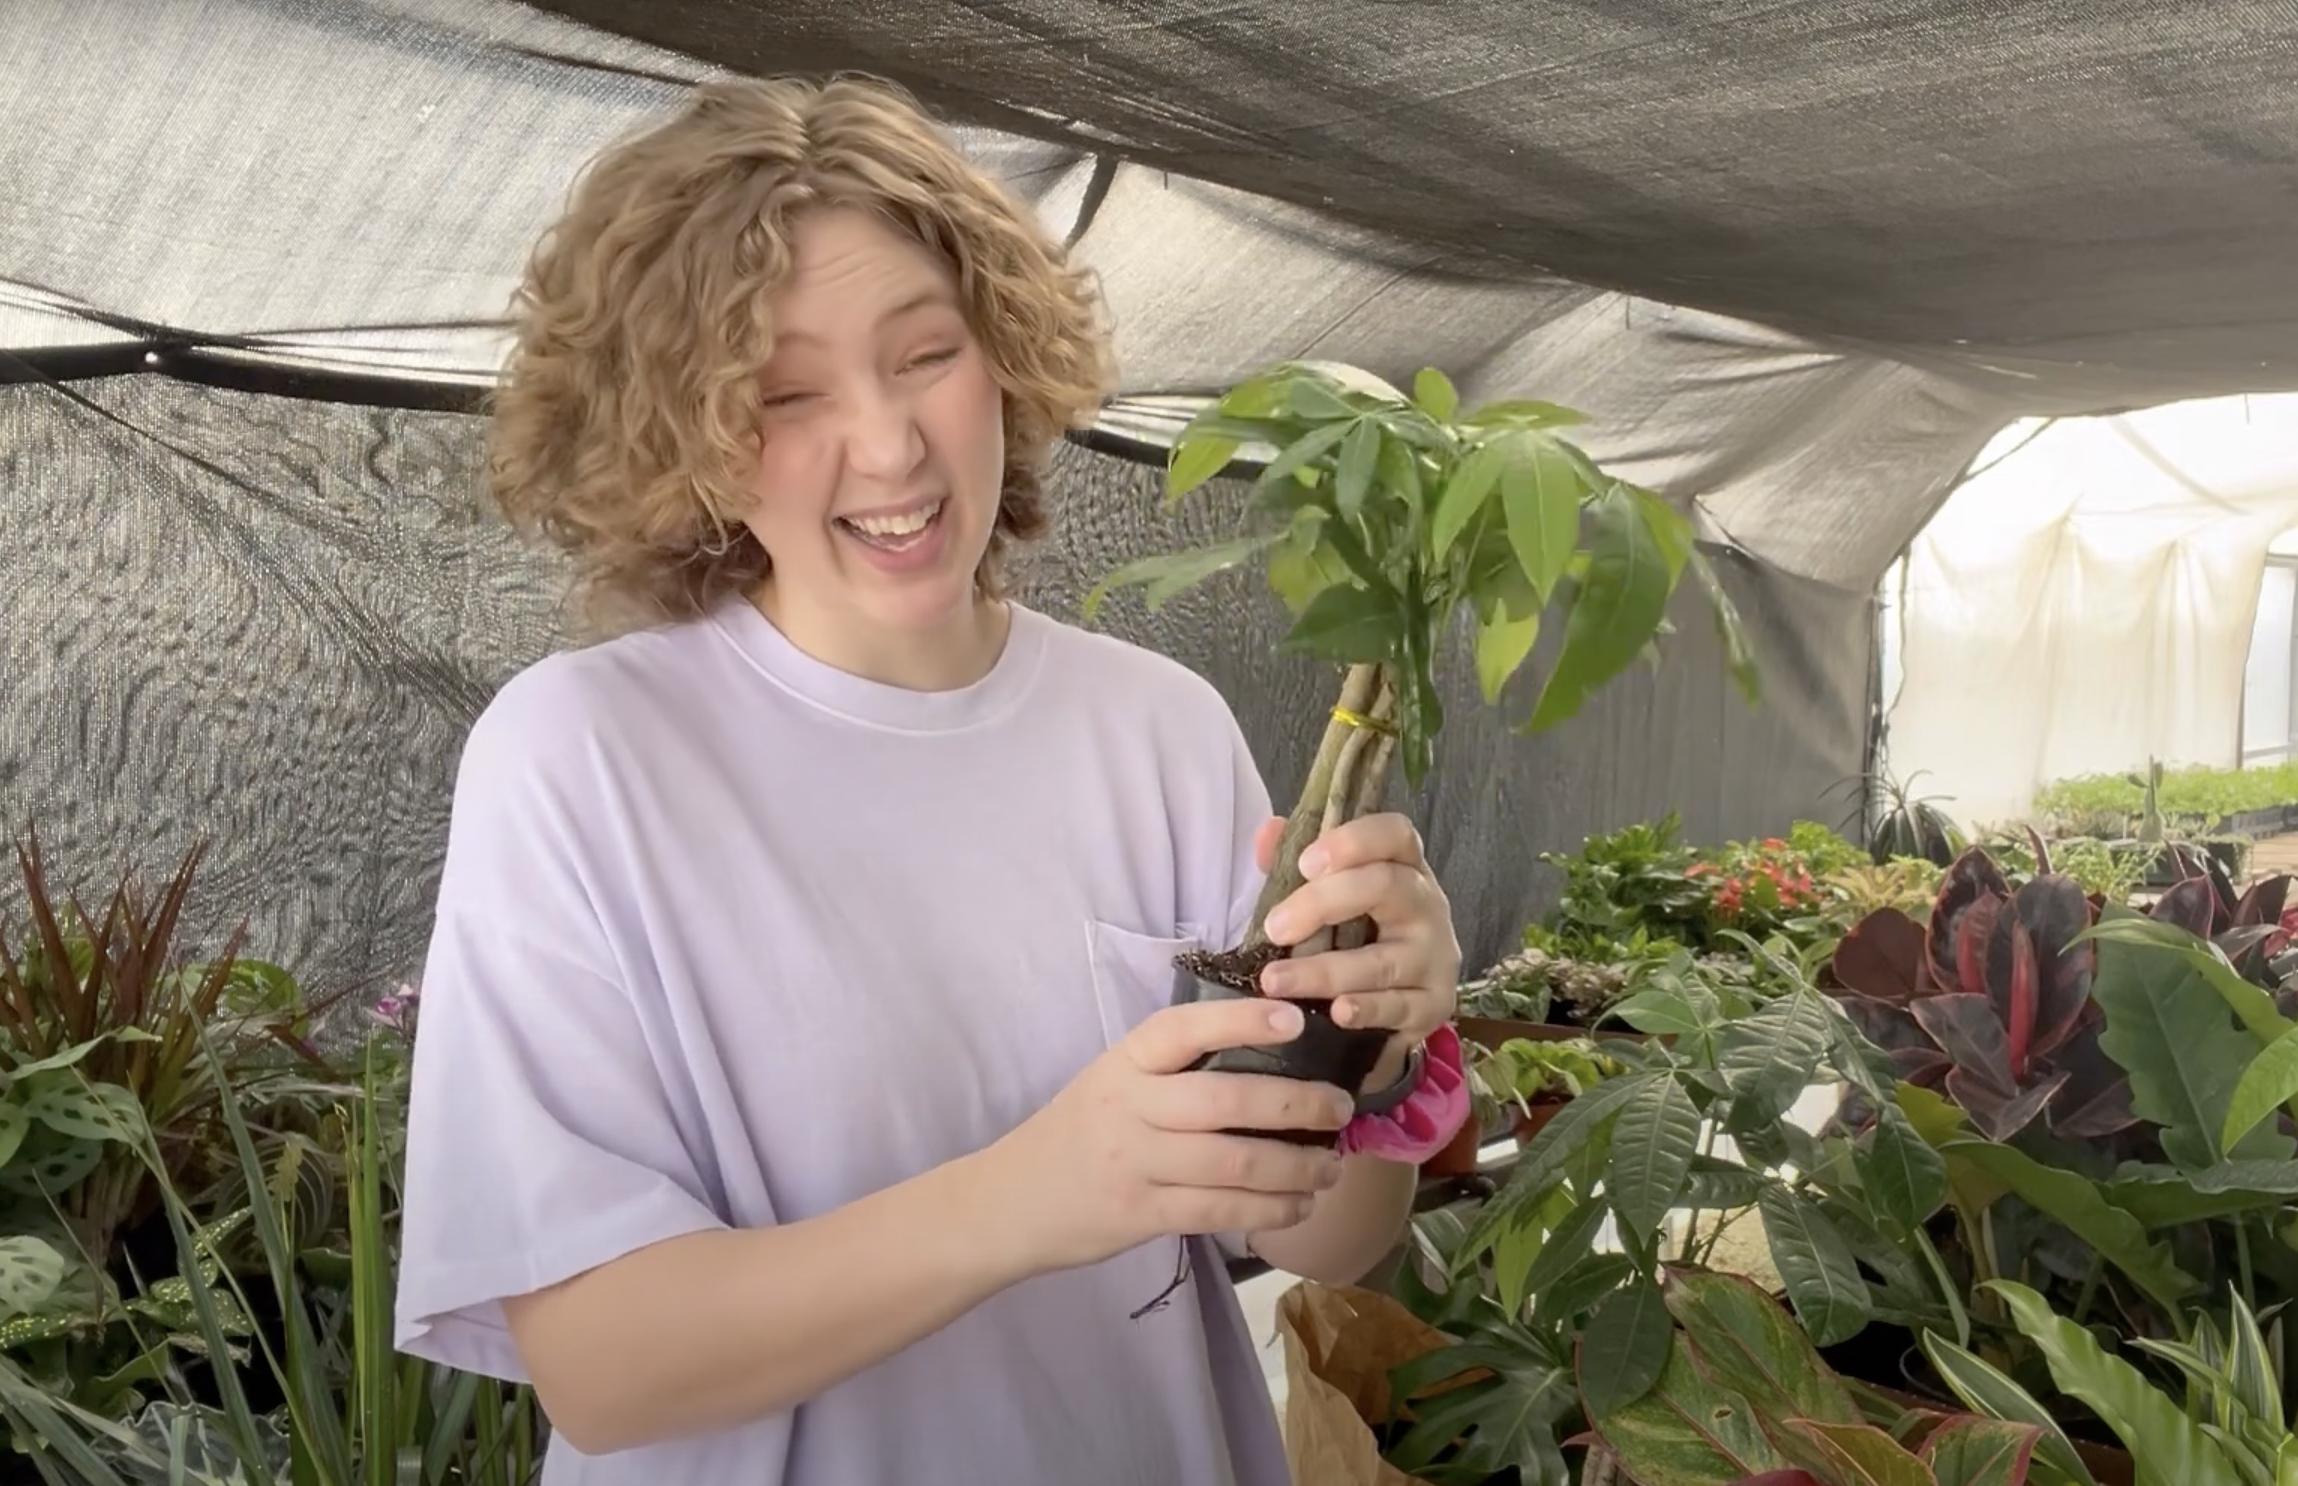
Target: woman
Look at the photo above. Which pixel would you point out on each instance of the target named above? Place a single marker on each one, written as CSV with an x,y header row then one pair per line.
x,y
797,1098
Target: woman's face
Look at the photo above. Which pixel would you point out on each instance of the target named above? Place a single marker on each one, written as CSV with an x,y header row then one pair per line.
x,y
882,441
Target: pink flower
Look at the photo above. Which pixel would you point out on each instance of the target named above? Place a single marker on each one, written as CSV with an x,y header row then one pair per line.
x,y
397,1010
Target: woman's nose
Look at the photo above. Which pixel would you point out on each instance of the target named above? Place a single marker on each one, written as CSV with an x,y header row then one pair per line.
x,y
883,439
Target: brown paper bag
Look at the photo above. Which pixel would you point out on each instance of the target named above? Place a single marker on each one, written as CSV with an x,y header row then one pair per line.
x,y
1340,1343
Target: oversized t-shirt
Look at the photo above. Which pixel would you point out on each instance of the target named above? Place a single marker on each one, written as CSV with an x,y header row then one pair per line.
x,y
729,937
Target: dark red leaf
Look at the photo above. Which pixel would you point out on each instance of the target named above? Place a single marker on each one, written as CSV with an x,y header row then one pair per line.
x,y
2018,1008
1974,943
1973,879
1996,1117
1970,1032
2094,1102
2264,902
2055,913
1882,957
2187,905
1914,1056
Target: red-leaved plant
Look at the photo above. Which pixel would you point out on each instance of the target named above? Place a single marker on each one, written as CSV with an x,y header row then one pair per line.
x,y
1992,1001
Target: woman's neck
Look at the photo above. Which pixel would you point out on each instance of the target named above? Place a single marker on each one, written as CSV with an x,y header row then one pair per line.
x,y
946,656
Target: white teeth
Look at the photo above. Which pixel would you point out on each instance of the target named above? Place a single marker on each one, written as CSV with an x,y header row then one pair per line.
x,y
895,526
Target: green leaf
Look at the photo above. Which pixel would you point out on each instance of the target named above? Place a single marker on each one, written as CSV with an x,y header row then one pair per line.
x,y
1985,1389
1435,394
1981,1452
1502,646
1359,454
63,1059
1585,1120
1904,1178
1582,1286
1671,532
1688,1431
1750,1346
1520,1248
1524,413
1815,1264
2165,1197
1400,472
1767,1059
1465,493
1311,396
1347,623
1540,492
1168,574
1651,1153
2169,1030
14,1125
1739,655
1933,1118
1618,608
50,1163
2252,1372
2251,1005
64,1103
30,1271
1305,563
1297,456
1566,1248
1716,1185
2270,1081
2077,1203
1624,1347
1665,1012
2167,1446
1196,460
1856,1454
1508,1419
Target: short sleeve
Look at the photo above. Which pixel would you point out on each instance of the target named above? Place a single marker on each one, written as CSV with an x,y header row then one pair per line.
x,y
541,1139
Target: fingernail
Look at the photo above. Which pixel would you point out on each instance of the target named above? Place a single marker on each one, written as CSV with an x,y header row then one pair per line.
x,y
1278,978
1286,1018
1313,861
1280,927
1344,1013
1344,1108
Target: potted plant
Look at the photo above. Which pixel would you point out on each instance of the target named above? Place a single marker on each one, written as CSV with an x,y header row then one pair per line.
x,y
1379,516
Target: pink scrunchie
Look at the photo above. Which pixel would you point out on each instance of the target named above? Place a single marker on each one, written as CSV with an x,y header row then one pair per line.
x,y
1425,1122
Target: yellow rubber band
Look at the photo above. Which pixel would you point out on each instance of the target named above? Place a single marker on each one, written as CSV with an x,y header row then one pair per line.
x,y
1357,719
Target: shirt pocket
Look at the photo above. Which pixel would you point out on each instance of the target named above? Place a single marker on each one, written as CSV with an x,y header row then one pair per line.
x,y
1133,973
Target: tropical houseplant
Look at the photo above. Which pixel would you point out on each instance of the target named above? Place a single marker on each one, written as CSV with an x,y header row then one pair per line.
x,y
1379,516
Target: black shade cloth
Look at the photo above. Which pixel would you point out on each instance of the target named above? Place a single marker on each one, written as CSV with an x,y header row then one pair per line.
x,y
2102,194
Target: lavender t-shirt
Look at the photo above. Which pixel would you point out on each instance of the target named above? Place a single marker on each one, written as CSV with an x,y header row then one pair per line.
x,y
729,937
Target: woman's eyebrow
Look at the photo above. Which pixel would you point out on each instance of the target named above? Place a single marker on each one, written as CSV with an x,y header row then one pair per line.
x,y
923,299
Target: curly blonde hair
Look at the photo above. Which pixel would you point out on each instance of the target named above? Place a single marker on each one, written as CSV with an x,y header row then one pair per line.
x,y
626,427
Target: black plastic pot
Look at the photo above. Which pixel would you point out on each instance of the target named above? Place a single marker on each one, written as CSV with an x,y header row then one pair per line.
x,y
1325,1052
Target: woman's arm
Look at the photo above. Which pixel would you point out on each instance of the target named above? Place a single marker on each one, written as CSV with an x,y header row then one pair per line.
x,y
713,1329
1359,1221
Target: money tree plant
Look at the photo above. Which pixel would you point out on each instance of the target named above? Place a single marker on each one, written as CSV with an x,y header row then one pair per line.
x,y
1377,516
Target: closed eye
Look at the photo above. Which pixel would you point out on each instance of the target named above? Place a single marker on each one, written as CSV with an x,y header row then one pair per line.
x,y
933,358
785,400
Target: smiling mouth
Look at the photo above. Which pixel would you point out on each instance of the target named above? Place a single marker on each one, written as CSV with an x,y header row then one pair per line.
x,y
893,533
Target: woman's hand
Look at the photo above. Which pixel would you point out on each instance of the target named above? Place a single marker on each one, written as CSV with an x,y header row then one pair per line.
x,y
1408,979
1132,1149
